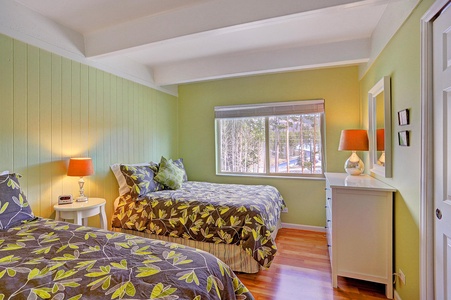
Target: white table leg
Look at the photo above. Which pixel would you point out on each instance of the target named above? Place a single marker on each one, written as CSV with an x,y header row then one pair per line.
x,y
79,220
103,217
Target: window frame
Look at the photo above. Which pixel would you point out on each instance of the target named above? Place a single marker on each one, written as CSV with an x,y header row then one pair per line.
x,y
246,113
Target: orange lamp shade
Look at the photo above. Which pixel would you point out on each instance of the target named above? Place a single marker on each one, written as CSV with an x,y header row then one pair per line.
x,y
353,140
380,139
81,166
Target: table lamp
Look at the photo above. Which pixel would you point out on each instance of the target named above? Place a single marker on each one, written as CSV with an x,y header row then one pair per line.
x,y
354,140
81,166
380,145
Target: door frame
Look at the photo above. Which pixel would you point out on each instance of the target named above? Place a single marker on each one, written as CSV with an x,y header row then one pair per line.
x,y
427,214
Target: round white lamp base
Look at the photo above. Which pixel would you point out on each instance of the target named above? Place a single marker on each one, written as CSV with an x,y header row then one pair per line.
x,y
354,165
81,199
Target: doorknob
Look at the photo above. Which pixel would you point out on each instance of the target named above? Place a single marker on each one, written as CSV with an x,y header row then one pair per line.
x,y
438,213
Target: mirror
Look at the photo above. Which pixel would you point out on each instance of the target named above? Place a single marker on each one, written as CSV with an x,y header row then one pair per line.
x,y
379,128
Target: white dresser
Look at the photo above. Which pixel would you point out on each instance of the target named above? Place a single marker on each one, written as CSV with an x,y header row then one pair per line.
x,y
359,227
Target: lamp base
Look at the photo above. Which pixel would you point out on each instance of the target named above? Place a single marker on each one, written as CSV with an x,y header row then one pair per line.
x,y
381,160
354,165
81,199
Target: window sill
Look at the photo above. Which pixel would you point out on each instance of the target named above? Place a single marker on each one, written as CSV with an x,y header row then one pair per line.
x,y
297,177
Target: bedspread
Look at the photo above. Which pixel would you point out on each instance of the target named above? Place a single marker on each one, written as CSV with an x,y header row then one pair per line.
x,y
46,259
244,215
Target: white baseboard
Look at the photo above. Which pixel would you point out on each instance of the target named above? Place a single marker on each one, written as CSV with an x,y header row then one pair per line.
x,y
304,227
396,295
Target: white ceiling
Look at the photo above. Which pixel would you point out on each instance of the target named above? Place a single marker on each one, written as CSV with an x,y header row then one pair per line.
x,y
180,41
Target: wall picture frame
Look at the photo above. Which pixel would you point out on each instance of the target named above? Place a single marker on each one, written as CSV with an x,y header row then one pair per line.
x,y
403,117
403,138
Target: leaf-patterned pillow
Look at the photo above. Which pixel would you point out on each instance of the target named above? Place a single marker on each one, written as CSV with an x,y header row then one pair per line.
x,y
178,162
140,180
169,174
14,208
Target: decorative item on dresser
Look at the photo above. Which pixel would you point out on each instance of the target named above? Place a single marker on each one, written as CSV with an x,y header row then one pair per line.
x,y
81,166
354,140
80,211
359,225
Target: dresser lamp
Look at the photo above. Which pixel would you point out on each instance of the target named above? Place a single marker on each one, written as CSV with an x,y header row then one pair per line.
x,y
380,142
81,166
353,140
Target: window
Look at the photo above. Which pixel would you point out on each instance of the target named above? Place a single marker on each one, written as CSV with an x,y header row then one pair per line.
x,y
275,139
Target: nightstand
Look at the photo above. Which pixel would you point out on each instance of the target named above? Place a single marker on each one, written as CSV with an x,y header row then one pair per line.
x,y
80,211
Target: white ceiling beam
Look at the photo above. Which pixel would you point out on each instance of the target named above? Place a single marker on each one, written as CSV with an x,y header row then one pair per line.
x,y
30,27
207,16
24,24
281,60
394,16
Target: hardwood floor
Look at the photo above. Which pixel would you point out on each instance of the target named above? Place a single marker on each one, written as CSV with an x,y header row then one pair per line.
x,y
301,270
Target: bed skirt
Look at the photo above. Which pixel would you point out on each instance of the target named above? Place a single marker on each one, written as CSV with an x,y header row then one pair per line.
x,y
233,255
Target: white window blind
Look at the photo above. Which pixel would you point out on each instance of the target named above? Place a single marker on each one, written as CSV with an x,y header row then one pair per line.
x,y
270,109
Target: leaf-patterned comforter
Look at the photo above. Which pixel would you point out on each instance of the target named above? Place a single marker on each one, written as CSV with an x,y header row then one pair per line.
x,y
210,212
47,259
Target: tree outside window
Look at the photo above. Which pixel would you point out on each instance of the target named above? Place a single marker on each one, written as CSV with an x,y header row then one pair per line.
x,y
274,145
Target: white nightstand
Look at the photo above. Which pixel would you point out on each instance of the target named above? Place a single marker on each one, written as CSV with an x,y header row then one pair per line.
x,y
80,211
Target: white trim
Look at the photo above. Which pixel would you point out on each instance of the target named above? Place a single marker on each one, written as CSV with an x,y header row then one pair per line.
x,y
426,185
394,16
396,295
304,227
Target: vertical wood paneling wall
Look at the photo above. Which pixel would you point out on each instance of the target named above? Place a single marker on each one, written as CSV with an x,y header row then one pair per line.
x,y
52,108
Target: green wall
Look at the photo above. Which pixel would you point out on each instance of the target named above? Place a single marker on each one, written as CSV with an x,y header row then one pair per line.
x,y
401,61
304,197
52,108
346,107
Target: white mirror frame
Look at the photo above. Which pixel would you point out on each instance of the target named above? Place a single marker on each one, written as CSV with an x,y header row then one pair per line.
x,y
383,86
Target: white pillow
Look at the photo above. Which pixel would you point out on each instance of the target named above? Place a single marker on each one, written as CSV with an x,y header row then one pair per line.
x,y
4,173
116,168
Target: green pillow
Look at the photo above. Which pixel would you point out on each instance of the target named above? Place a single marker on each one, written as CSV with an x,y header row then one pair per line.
x,y
169,174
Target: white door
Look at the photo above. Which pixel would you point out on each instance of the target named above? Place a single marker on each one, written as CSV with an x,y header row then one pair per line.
x,y
442,153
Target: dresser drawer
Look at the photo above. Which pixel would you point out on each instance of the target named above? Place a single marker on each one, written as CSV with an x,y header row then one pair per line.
x,y
328,225
329,242
328,193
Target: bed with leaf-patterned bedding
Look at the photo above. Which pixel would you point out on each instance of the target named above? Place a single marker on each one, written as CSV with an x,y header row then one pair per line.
x,y
48,259
232,214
